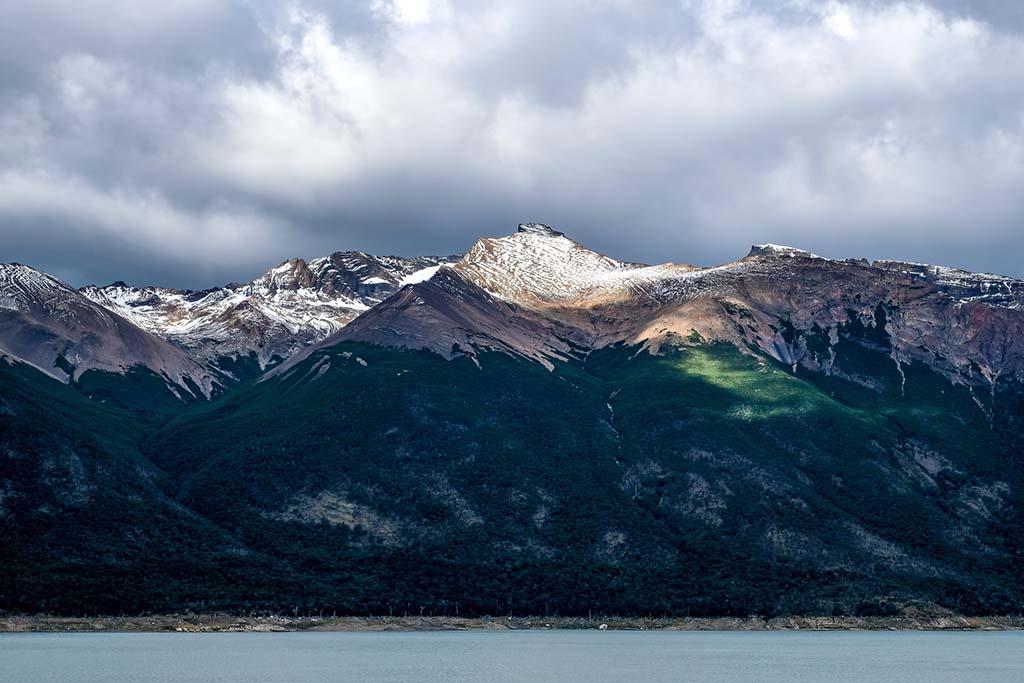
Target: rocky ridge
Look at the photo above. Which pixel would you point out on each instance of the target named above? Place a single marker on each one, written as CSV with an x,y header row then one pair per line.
x,y
291,306
541,295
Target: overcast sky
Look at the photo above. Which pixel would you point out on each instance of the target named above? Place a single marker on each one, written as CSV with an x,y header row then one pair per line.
x,y
194,142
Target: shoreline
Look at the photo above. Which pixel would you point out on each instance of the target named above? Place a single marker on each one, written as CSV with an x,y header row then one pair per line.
x,y
225,623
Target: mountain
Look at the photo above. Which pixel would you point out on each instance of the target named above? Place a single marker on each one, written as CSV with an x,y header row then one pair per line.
x,y
790,305
48,324
535,293
539,428
266,320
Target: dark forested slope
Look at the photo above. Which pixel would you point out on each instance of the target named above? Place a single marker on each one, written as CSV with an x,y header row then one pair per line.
x,y
367,480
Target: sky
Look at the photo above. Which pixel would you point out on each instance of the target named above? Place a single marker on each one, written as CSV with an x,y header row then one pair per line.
x,y
197,142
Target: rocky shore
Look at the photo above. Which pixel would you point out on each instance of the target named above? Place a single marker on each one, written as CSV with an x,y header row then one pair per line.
x,y
196,623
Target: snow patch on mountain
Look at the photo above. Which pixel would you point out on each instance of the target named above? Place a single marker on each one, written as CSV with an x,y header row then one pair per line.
x,y
780,250
421,275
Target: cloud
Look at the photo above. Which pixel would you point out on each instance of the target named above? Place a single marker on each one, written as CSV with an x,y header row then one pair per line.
x,y
71,222
1001,15
222,137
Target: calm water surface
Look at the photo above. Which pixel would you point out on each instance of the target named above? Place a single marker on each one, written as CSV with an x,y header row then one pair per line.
x,y
592,656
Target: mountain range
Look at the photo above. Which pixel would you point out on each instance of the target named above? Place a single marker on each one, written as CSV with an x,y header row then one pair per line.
x,y
531,427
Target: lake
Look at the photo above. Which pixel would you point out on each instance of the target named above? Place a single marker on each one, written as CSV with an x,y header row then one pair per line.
x,y
509,656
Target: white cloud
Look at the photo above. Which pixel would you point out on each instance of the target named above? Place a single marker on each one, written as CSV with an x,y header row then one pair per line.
x,y
144,222
839,21
404,11
847,127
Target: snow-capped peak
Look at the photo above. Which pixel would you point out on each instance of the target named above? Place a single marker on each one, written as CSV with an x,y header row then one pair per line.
x,y
21,285
289,307
780,250
539,263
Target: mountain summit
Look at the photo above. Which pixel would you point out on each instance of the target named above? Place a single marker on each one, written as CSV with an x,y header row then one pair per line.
x,y
539,229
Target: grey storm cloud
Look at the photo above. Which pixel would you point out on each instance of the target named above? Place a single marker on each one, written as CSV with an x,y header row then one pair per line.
x,y
203,141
